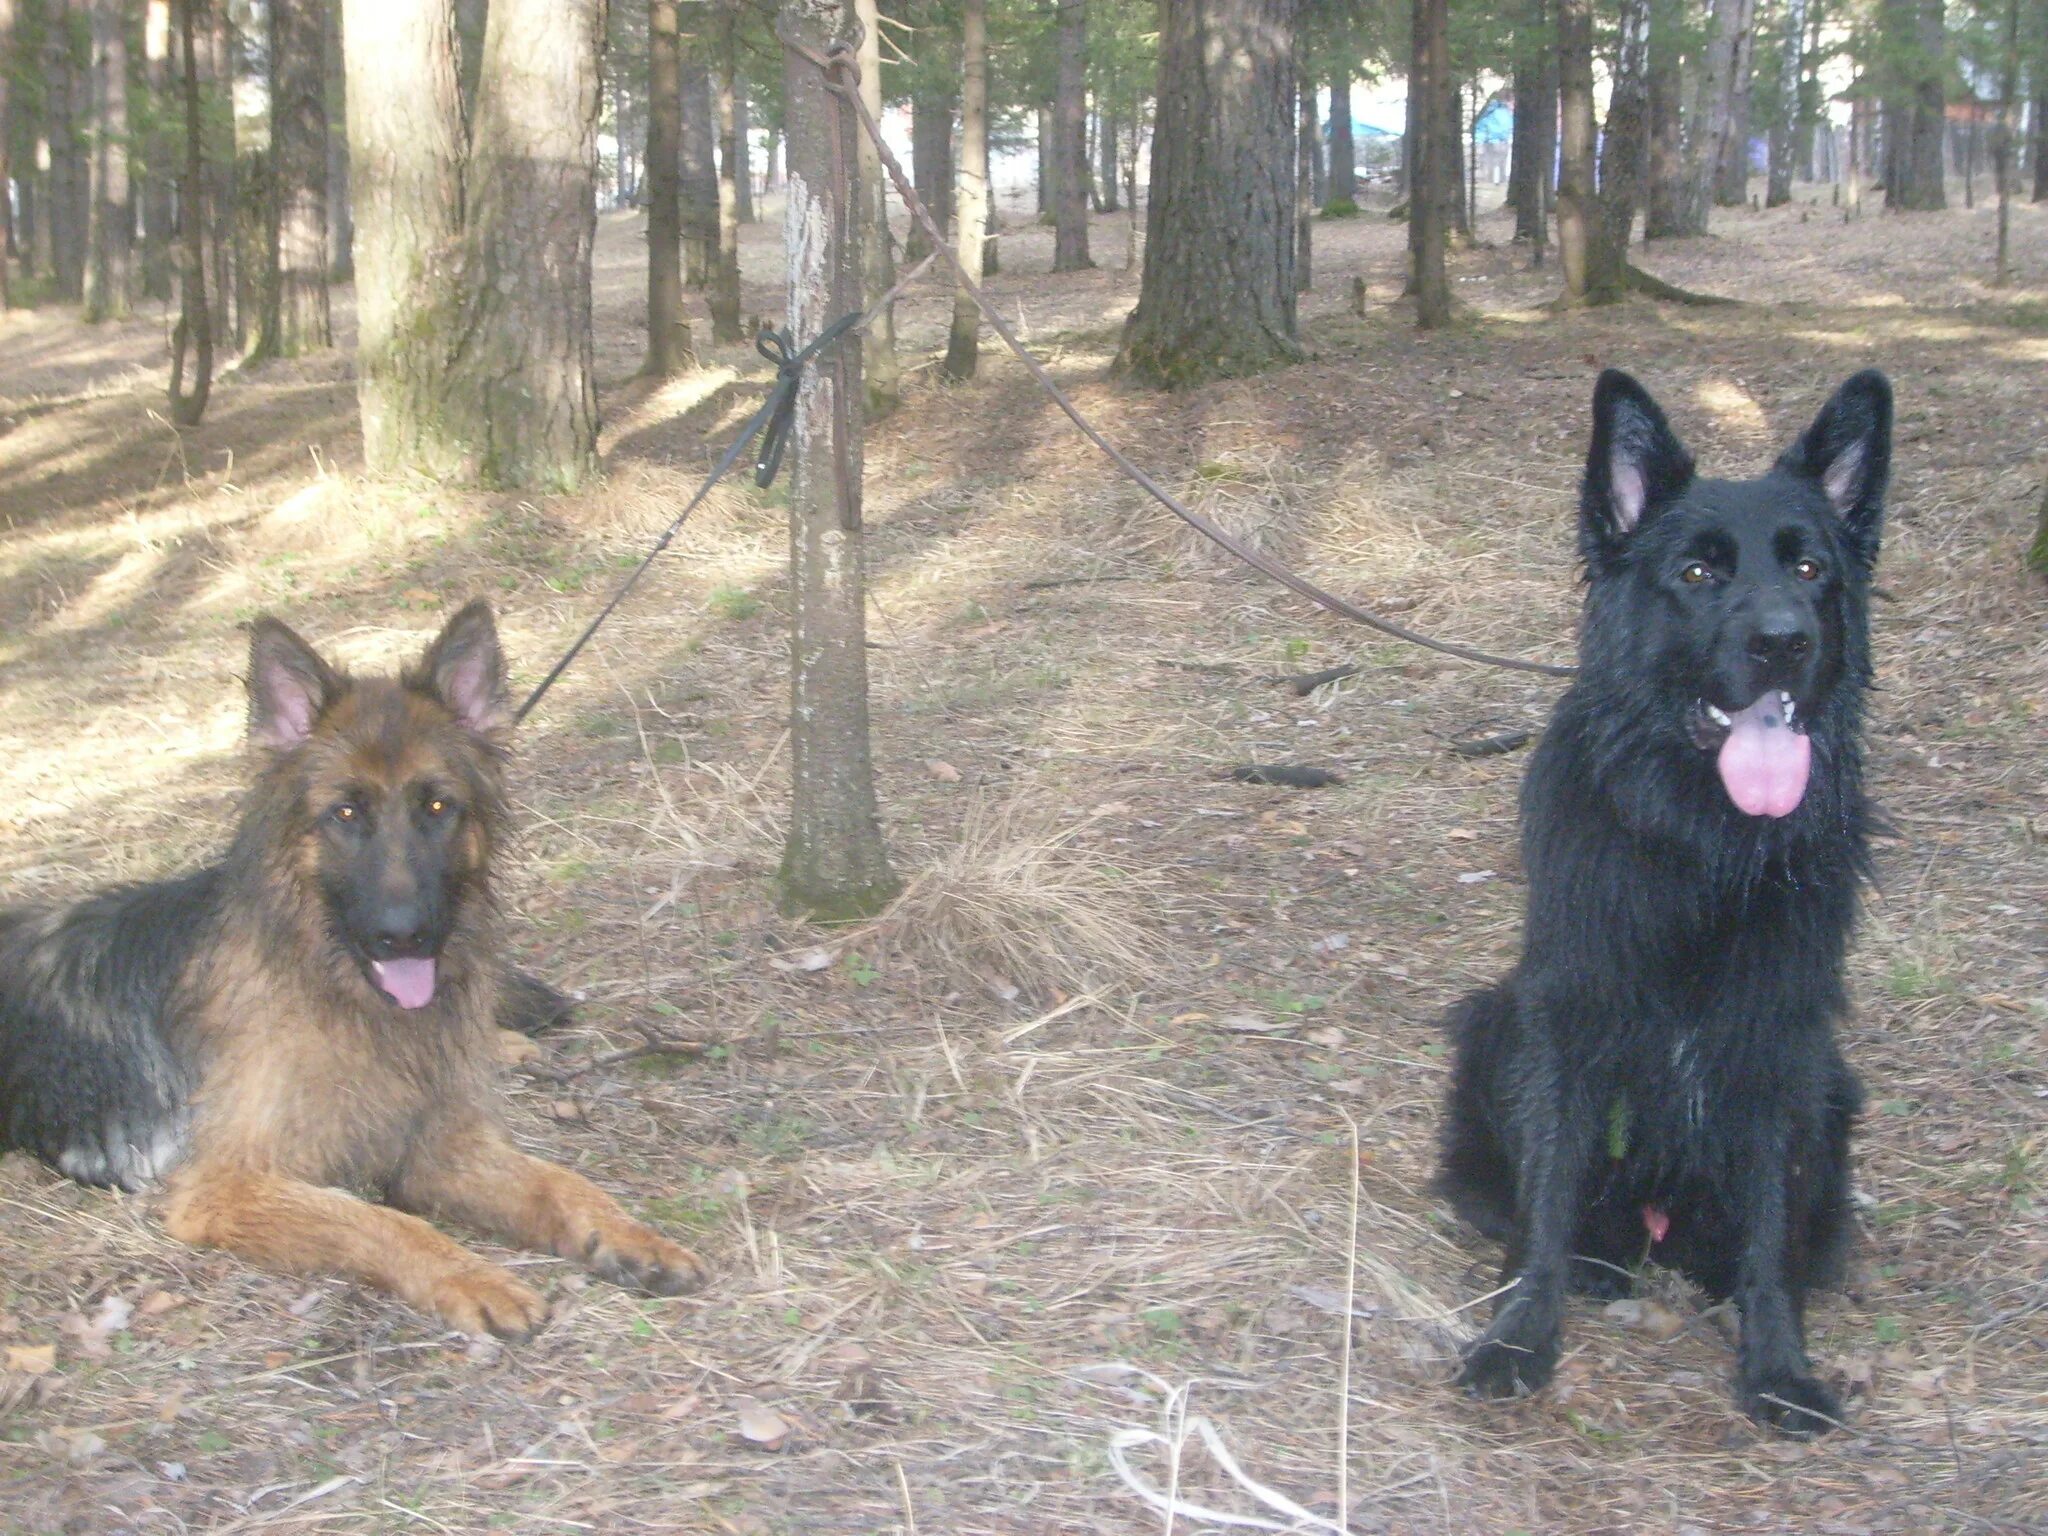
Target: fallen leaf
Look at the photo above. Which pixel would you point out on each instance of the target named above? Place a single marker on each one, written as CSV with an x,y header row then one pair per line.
x,y
567,1109
1651,1317
803,961
941,770
1329,1034
32,1359
157,1303
1475,877
762,1425
1253,1024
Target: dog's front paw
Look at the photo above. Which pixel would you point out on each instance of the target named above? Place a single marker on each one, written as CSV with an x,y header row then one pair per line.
x,y
1507,1361
1791,1403
642,1258
486,1300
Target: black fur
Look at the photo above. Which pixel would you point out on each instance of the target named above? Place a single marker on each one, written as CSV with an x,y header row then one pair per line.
x,y
1666,1040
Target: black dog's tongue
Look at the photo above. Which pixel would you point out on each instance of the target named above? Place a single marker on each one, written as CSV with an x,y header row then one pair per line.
x,y
1764,763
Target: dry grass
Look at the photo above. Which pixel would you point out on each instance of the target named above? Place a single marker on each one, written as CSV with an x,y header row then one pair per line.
x,y
964,1242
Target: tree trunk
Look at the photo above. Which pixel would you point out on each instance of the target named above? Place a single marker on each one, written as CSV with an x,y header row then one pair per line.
x,y
405,157
971,197
159,153
223,197
931,164
65,100
2004,135
668,332
1808,122
1047,170
110,223
1589,267
1664,212
1070,141
1433,165
1731,175
879,368
6,138
834,865
1105,163
1922,189
195,321
1783,83
1304,184
700,176
1624,151
1343,148
1529,159
521,403
1217,296
743,148
341,261
295,307
1712,108
2038,139
723,296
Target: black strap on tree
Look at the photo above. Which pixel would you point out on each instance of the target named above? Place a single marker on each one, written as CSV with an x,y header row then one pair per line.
x,y
772,422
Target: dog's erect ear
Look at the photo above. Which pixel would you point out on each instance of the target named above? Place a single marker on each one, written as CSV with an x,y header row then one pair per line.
x,y
1635,463
1848,450
465,670
289,686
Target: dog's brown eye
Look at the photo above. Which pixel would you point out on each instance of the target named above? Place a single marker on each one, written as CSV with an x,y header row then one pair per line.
x,y
1807,570
1695,573
437,806
345,813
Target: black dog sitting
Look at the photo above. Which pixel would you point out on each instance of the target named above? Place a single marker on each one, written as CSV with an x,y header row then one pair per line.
x,y
1659,1074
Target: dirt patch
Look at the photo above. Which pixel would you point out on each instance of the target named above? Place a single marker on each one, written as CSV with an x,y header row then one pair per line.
x,y
977,1213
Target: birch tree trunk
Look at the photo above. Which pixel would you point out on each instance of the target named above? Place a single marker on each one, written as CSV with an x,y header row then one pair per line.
x,y
834,865
1731,173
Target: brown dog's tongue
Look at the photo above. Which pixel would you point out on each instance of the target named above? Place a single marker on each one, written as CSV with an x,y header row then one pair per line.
x,y
408,983
1764,762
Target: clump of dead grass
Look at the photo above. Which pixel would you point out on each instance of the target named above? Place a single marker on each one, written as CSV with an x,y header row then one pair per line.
x,y
1260,496
1017,903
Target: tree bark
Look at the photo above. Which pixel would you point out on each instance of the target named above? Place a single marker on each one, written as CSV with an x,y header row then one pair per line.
x,y
1808,120
1624,150
700,176
834,864
971,194
7,231
743,148
1304,184
668,332
1580,234
67,185
1712,105
931,161
1665,204
1343,176
1532,149
341,261
195,320
2004,136
1731,174
1217,296
159,153
1921,184
521,403
879,368
110,223
1784,106
224,195
1106,129
723,297
1433,177
295,316
1070,141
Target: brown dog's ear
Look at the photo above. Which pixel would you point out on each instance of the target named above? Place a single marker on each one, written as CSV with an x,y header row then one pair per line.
x,y
289,686
465,670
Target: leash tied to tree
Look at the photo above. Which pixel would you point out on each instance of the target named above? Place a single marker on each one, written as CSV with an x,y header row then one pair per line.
x,y
841,69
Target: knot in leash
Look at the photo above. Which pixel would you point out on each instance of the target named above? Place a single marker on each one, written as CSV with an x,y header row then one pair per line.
x,y
776,346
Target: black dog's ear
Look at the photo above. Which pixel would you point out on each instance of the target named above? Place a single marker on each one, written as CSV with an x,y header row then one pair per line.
x,y
289,686
1634,466
1848,450
465,670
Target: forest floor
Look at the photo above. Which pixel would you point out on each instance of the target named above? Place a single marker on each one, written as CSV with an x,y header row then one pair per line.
x,y
1072,1129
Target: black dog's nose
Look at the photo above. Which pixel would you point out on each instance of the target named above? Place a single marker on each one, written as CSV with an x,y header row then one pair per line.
x,y
398,930
1774,644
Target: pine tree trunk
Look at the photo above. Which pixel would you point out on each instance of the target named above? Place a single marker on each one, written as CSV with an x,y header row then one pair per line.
x,y
341,260
1808,122
1528,166
1921,186
743,147
224,194
1343,147
1070,141
834,864
296,317
700,176
159,153
879,368
971,194
1047,169
521,401
1590,268
668,332
194,332
1624,151
7,230
1731,175
2038,138
1106,129
931,164
1664,213
1217,296
723,296
405,158
110,236
1433,165
1304,184
1784,104
66,99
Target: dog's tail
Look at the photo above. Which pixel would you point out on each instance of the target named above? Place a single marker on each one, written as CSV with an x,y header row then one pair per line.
x,y
532,1007
1476,1174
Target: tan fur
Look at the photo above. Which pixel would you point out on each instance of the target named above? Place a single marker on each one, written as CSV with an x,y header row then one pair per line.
x,y
310,1085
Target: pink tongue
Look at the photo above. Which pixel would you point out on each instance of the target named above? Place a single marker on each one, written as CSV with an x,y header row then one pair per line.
x,y
410,983
1764,762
